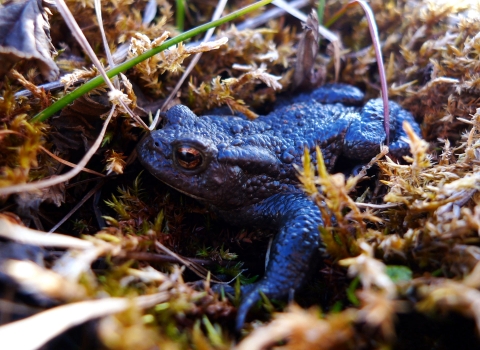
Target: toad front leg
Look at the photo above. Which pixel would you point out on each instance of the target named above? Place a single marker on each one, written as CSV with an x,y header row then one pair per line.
x,y
297,241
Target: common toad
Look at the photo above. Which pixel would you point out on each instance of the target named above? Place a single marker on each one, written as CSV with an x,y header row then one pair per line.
x,y
244,169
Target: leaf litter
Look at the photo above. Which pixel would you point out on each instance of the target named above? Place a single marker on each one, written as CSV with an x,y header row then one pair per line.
x,y
25,34
431,235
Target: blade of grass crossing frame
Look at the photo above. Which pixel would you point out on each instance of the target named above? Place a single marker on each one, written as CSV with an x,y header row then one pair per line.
x,y
320,11
180,14
372,26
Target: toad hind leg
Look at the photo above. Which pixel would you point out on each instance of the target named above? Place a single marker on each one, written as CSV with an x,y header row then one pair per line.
x,y
297,241
366,131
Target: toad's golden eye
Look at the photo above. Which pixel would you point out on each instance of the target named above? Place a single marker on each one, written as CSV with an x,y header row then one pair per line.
x,y
188,157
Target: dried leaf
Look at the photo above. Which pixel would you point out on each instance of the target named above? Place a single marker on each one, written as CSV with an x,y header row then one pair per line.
x,y
25,34
32,200
306,76
79,124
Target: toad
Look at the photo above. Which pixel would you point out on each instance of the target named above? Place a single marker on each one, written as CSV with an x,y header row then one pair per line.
x,y
244,169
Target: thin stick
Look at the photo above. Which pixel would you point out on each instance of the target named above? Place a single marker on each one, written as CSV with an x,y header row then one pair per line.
x,y
77,206
67,163
378,206
195,268
98,11
164,258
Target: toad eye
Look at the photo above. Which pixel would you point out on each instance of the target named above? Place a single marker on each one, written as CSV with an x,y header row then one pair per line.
x,y
188,157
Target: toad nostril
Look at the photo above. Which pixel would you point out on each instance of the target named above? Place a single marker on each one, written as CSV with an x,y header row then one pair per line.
x,y
157,144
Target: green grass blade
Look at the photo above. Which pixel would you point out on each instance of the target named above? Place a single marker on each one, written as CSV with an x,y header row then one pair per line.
x,y
97,81
180,15
320,11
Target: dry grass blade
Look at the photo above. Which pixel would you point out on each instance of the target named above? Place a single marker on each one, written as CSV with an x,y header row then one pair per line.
x,y
199,270
151,257
378,54
66,162
77,206
14,232
74,263
116,96
98,12
64,317
377,206
263,18
38,280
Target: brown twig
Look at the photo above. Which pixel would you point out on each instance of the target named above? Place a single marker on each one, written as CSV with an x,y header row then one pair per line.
x,y
66,162
78,205
152,257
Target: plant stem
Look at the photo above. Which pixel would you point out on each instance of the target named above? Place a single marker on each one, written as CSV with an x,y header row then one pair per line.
x,y
320,11
180,14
